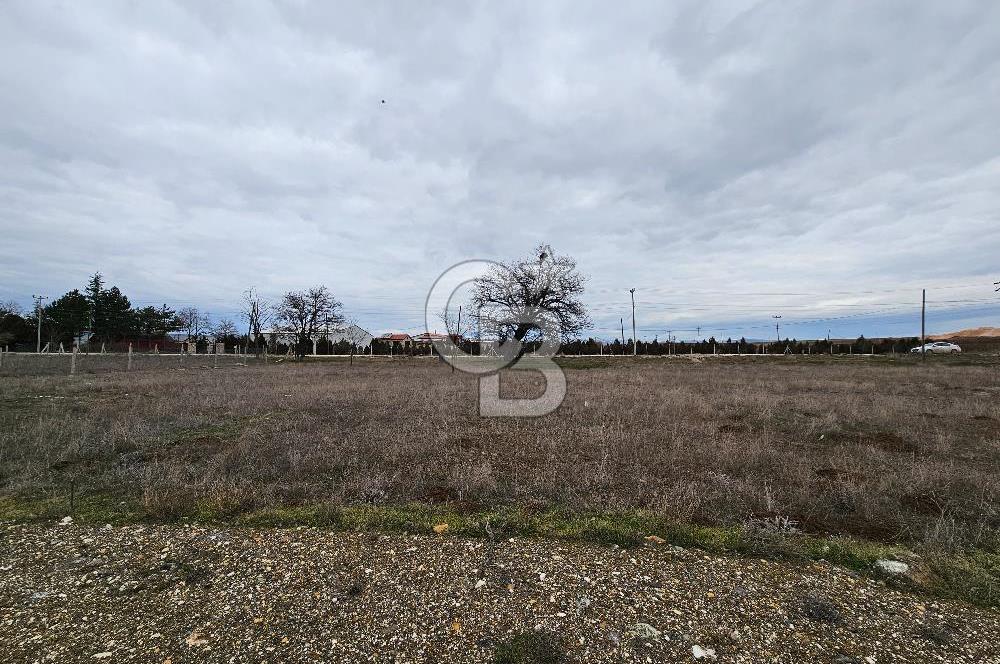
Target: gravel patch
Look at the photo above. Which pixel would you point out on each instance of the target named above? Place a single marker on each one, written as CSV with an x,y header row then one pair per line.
x,y
173,594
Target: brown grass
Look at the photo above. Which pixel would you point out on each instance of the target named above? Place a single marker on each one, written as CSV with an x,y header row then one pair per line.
x,y
895,452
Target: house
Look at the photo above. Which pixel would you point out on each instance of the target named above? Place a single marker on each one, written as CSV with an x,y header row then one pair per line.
x,y
401,338
427,338
352,334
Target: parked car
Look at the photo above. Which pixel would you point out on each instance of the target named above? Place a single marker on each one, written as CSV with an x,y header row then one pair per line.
x,y
939,347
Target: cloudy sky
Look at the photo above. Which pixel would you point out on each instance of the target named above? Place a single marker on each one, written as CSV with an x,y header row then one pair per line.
x,y
823,161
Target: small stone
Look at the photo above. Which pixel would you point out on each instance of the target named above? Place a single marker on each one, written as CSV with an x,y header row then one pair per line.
x,y
702,653
100,655
196,638
644,631
441,528
480,583
655,539
892,566
66,520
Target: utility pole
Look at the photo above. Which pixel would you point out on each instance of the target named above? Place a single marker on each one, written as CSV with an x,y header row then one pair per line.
x,y
698,335
632,291
622,320
777,329
923,325
38,309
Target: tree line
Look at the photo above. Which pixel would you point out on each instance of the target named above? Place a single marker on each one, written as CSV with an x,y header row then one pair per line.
x,y
513,301
102,314
105,312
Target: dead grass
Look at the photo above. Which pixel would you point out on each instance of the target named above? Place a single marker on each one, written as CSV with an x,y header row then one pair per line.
x,y
894,452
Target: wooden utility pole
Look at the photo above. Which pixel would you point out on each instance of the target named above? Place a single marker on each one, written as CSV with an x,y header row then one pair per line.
x,y
622,320
632,291
923,325
38,311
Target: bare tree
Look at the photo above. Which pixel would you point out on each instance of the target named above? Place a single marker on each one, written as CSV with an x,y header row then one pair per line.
x,y
194,322
224,328
257,314
355,335
542,283
10,307
304,313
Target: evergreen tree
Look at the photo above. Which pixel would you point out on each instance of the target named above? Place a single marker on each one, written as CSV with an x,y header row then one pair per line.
x,y
68,316
113,318
94,289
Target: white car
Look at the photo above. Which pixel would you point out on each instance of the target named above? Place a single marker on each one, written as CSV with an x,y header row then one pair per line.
x,y
939,347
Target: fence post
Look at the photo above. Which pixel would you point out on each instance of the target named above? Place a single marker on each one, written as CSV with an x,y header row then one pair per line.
x,y
2,353
72,362
128,367
215,360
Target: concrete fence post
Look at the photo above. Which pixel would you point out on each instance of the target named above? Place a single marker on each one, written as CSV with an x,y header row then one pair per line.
x,y
128,367
72,362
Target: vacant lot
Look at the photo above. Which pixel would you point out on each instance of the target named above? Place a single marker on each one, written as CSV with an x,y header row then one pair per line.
x,y
893,451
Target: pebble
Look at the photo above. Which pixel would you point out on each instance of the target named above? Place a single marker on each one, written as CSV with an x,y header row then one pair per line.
x,y
892,566
190,593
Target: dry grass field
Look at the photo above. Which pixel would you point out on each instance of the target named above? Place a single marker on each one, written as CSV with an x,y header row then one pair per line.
x,y
885,450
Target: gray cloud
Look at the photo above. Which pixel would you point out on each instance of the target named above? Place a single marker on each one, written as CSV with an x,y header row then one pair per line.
x,y
843,152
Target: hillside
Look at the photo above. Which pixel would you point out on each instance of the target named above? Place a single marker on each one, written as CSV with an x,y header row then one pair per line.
x,y
970,333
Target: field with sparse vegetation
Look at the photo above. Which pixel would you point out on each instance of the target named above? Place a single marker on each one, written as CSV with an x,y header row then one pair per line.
x,y
721,451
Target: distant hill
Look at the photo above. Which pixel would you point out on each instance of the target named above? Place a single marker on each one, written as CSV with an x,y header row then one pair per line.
x,y
971,332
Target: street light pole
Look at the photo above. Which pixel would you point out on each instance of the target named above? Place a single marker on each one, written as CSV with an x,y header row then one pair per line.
x,y
632,292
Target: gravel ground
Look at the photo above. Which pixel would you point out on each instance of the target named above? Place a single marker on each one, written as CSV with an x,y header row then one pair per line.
x,y
173,594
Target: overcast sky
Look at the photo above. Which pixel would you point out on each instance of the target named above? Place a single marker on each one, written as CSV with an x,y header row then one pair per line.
x,y
732,161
